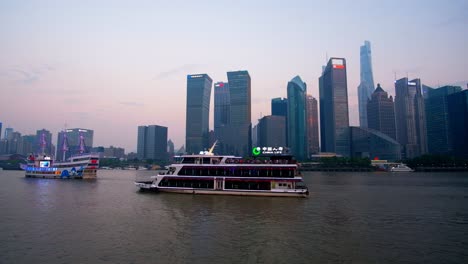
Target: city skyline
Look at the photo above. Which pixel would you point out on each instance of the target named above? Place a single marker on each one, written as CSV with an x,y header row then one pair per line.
x,y
114,68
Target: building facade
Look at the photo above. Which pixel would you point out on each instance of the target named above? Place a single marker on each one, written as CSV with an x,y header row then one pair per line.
x,y
334,119
271,131
366,86
238,135
381,113
74,141
222,114
410,117
312,125
198,112
297,126
152,143
372,144
279,106
458,122
439,138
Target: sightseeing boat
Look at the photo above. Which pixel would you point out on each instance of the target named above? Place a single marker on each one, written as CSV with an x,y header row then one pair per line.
x,y
206,173
80,166
83,166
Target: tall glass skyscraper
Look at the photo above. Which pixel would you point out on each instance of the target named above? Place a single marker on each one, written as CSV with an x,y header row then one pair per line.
x,y
334,119
439,138
312,124
458,122
222,113
197,115
152,142
239,140
279,106
366,86
410,117
297,128
381,113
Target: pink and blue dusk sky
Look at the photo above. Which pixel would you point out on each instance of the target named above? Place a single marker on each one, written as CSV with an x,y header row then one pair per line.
x,y
113,65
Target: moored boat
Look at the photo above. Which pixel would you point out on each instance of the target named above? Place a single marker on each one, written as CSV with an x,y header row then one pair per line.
x,y
401,168
205,173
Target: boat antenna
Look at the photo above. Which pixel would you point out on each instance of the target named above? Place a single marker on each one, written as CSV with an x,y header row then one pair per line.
x,y
212,147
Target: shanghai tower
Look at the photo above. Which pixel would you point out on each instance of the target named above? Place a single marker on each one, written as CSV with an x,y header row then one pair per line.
x,y
366,86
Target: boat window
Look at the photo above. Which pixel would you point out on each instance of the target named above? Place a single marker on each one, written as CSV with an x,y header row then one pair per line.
x,y
206,160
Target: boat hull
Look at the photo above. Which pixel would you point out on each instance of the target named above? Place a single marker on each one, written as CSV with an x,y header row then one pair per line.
x,y
270,193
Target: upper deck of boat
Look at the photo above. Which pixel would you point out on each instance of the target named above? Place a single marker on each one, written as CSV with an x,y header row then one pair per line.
x,y
202,159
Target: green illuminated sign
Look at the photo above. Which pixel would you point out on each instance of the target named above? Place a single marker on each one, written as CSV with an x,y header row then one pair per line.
x,y
256,151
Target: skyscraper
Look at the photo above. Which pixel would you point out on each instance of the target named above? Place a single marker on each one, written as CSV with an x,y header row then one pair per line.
x,y
271,131
381,113
334,119
69,142
222,114
198,111
458,122
410,117
312,124
239,139
439,138
366,86
0,130
152,142
279,106
297,128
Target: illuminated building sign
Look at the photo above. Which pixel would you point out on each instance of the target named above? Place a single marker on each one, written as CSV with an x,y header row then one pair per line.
x,y
411,83
219,85
195,76
338,63
267,150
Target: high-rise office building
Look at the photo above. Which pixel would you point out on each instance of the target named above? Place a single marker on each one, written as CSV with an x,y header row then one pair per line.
x,y
381,112
74,141
43,142
152,142
410,117
312,124
439,138
373,144
279,106
334,119
198,112
271,131
27,145
8,133
297,127
366,86
238,139
0,130
222,114
458,122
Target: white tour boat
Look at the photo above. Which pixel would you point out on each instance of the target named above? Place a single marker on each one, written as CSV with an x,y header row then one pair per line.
x,y
401,168
206,173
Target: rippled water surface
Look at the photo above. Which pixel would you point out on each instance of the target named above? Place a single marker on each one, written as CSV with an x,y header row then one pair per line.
x,y
348,218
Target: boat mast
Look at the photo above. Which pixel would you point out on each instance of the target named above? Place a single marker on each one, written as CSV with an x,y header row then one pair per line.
x,y
43,143
64,144
82,143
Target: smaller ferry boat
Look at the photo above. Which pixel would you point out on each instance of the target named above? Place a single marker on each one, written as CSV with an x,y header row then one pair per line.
x,y
80,166
206,173
83,166
401,168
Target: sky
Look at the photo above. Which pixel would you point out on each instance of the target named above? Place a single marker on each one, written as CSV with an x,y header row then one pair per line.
x,y
111,66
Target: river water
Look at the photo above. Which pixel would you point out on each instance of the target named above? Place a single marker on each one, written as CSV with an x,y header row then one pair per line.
x,y
350,217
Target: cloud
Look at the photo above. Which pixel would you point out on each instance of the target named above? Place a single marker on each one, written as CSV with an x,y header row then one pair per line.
x,y
176,71
26,76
